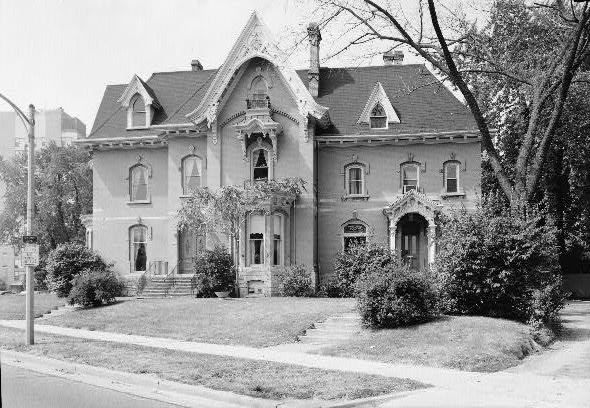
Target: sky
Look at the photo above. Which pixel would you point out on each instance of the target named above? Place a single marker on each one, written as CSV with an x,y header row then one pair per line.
x,y
62,53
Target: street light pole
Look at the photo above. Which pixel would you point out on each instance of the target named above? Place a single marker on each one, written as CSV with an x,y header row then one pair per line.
x,y
29,123
30,270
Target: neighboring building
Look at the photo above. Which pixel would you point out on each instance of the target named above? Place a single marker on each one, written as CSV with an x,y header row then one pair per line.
x,y
51,125
383,149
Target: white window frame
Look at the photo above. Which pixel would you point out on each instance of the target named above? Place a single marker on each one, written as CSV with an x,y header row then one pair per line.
x,y
132,246
250,258
371,116
147,180
269,162
184,186
131,113
457,165
407,165
347,170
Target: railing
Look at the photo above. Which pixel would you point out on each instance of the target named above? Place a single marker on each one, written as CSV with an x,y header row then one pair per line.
x,y
171,278
146,277
258,103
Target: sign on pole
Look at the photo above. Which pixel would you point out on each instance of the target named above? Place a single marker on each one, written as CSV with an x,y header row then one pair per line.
x,y
30,250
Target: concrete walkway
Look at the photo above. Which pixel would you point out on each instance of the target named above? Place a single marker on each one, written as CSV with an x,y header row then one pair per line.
x,y
429,375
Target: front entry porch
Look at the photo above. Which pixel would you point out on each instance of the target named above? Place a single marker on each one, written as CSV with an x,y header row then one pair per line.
x,y
412,228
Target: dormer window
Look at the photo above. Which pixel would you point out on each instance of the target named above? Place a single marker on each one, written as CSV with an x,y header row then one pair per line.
x,y
138,116
260,167
378,118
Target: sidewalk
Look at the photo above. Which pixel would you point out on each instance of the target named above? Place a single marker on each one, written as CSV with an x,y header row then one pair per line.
x,y
430,375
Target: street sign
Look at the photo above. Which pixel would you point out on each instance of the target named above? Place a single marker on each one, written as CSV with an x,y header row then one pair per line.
x,y
30,251
29,239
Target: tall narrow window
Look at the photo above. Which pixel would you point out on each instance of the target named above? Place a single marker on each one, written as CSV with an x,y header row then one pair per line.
x,y
256,241
138,247
260,160
191,174
378,117
277,245
138,183
410,176
355,233
355,180
452,177
138,117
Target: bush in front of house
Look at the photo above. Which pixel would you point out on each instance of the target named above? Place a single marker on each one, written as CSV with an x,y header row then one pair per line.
x,y
395,295
356,261
295,281
214,272
92,288
41,275
67,261
499,262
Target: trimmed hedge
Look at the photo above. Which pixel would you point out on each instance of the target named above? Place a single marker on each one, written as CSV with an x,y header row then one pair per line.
x,y
214,272
295,281
94,288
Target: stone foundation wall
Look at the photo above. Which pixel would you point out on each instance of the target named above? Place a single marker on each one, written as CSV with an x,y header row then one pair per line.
x,y
130,282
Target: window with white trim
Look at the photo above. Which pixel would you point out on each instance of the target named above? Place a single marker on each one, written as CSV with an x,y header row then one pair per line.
x,y
378,118
138,111
410,177
191,174
354,233
354,179
256,239
260,165
138,183
451,177
277,243
138,235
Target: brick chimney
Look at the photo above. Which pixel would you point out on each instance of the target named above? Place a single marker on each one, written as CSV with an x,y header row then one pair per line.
x,y
196,65
393,58
313,75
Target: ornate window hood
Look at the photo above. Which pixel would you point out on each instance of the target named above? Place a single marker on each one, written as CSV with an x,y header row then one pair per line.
x,y
258,121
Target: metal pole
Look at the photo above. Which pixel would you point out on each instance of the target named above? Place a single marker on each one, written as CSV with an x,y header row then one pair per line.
x,y
30,270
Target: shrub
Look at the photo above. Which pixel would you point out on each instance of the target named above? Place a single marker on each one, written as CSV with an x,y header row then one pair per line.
x,y
295,281
330,289
67,261
395,295
41,275
356,261
499,262
214,272
94,288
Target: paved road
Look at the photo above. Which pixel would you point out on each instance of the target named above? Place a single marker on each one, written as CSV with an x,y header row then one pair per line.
x,y
27,389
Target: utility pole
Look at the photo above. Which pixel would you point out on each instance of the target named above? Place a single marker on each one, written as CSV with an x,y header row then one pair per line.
x,y
30,269
29,123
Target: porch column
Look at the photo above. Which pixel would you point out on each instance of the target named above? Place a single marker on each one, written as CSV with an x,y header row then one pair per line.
x,y
431,242
392,235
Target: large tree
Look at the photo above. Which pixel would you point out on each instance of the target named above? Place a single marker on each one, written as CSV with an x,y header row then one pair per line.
x,y
63,192
529,55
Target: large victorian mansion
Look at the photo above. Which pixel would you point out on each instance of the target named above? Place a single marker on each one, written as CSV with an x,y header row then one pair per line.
x,y
382,149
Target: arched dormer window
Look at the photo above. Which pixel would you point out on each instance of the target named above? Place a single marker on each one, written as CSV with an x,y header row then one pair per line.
x,y
192,171
410,174
451,176
258,97
261,164
139,183
354,233
378,118
138,111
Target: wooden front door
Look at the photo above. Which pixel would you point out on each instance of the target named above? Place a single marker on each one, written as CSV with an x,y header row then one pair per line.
x,y
190,246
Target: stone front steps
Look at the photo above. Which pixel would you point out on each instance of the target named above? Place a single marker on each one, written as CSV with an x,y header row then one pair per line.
x,y
160,287
336,329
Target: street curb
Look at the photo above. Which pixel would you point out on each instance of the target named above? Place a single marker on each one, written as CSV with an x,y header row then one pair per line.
x,y
145,386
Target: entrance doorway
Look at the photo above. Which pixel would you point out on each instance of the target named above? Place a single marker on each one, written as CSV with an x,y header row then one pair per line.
x,y
190,245
413,241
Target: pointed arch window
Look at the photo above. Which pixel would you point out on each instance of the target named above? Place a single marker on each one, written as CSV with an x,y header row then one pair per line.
x,y
139,183
258,94
138,111
378,118
192,172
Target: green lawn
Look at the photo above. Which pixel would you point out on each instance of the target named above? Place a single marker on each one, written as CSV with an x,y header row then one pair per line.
x,y
254,322
471,343
13,306
255,378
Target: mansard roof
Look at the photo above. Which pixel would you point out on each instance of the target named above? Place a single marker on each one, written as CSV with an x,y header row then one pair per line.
x,y
421,102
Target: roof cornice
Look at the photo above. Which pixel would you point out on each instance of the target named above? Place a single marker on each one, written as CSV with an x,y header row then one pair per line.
x,y
460,136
